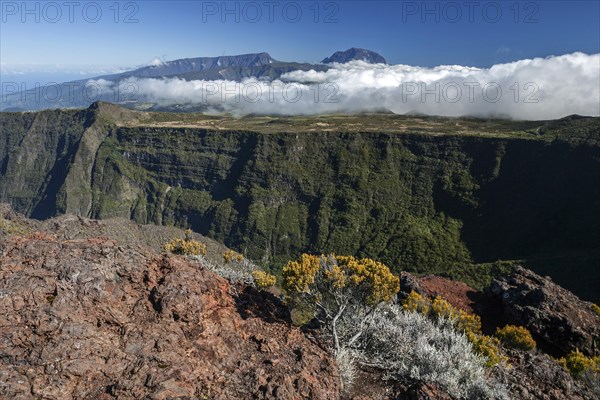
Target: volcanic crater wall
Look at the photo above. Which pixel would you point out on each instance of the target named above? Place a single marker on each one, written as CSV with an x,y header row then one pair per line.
x,y
418,202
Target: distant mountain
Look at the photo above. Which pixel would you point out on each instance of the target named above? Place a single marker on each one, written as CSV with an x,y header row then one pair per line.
x,y
191,65
355,54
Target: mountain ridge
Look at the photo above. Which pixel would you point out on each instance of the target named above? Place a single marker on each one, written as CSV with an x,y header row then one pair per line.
x,y
195,64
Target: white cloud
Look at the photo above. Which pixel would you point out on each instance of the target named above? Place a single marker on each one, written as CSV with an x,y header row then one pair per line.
x,y
539,88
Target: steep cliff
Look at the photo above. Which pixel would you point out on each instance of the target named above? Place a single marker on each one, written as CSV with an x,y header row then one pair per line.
x,y
421,194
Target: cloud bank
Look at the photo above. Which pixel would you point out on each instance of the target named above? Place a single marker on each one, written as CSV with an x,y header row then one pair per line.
x,y
531,89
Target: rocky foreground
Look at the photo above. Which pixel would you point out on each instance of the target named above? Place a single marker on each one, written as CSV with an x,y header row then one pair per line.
x,y
90,319
97,318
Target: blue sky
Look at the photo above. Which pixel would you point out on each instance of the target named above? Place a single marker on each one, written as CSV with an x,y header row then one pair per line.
x,y
407,32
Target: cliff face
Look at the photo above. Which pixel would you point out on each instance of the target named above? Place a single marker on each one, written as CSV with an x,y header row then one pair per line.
x,y
36,154
419,201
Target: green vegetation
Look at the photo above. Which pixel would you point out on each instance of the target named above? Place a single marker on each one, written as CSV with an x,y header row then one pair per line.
x,y
583,367
230,255
10,228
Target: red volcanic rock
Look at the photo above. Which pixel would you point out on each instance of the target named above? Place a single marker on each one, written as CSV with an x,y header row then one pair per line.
x,y
90,319
459,294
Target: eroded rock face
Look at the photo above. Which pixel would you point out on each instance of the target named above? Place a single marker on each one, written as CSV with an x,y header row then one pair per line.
x,y
554,315
89,319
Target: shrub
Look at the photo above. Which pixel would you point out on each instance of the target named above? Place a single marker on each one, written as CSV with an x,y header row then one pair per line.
x,y
487,347
342,290
440,308
186,246
344,294
231,255
586,369
516,337
242,273
299,275
409,346
577,363
416,303
462,321
263,279
596,309
466,322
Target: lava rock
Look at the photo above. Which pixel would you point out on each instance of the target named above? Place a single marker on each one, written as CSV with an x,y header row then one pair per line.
x,y
90,319
558,319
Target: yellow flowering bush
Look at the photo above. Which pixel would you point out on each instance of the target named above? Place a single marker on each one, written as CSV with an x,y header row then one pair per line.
x,y
578,363
596,309
341,291
186,246
263,279
231,255
487,347
381,284
416,303
341,272
516,337
468,322
299,275
442,309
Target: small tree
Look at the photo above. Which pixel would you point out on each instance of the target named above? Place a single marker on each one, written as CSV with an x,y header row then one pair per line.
x,y
342,291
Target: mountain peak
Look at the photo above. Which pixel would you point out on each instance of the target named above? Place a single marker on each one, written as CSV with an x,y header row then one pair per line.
x,y
355,54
